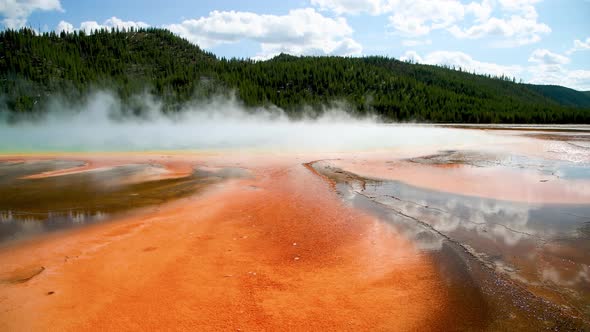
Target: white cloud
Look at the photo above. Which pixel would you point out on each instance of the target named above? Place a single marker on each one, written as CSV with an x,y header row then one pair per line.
x,y
301,31
513,31
558,75
112,22
407,17
578,79
412,56
515,21
481,11
416,42
463,61
549,68
373,7
64,26
546,57
546,68
518,24
419,17
580,45
16,12
525,7
91,26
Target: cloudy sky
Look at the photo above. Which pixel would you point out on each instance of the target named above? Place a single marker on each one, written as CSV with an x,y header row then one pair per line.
x,y
538,41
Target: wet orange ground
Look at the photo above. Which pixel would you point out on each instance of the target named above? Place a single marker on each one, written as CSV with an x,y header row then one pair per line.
x,y
278,251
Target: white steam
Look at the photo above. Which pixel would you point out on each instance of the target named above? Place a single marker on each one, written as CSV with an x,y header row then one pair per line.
x,y
100,125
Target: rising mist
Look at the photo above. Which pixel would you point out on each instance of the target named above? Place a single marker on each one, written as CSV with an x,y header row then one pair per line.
x,y
102,123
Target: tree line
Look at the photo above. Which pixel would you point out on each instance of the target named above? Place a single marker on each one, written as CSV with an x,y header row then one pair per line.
x,y
34,67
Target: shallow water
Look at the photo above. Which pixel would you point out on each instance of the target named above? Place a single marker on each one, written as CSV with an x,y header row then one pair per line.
x,y
281,249
479,244
11,170
513,238
564,169
35,206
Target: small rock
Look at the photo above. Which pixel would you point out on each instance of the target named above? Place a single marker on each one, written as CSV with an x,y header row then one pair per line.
x,y
296,258
50,292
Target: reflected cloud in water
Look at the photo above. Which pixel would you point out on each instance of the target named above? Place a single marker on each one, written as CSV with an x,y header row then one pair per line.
x,y
14,226
517,239
34,206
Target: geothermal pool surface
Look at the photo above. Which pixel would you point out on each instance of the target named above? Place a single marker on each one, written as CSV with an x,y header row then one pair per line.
x,y
463,229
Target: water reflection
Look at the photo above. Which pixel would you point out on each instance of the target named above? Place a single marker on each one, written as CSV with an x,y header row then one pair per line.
x,y
565,169
543,246
16,225
507,223
34,206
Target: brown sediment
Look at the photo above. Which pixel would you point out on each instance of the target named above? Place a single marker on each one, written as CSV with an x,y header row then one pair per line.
x,y
288,256
497,183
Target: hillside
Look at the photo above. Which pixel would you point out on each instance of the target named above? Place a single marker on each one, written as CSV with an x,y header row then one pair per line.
x,y
33,68
564,96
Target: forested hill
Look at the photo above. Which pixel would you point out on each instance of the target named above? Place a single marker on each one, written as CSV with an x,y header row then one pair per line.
x,y
564,96
33,68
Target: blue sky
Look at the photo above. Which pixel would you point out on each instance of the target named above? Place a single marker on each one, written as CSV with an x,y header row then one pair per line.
x,y
538,41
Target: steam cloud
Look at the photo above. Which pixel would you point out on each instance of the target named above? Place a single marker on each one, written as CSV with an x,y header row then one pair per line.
x,y
102,125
